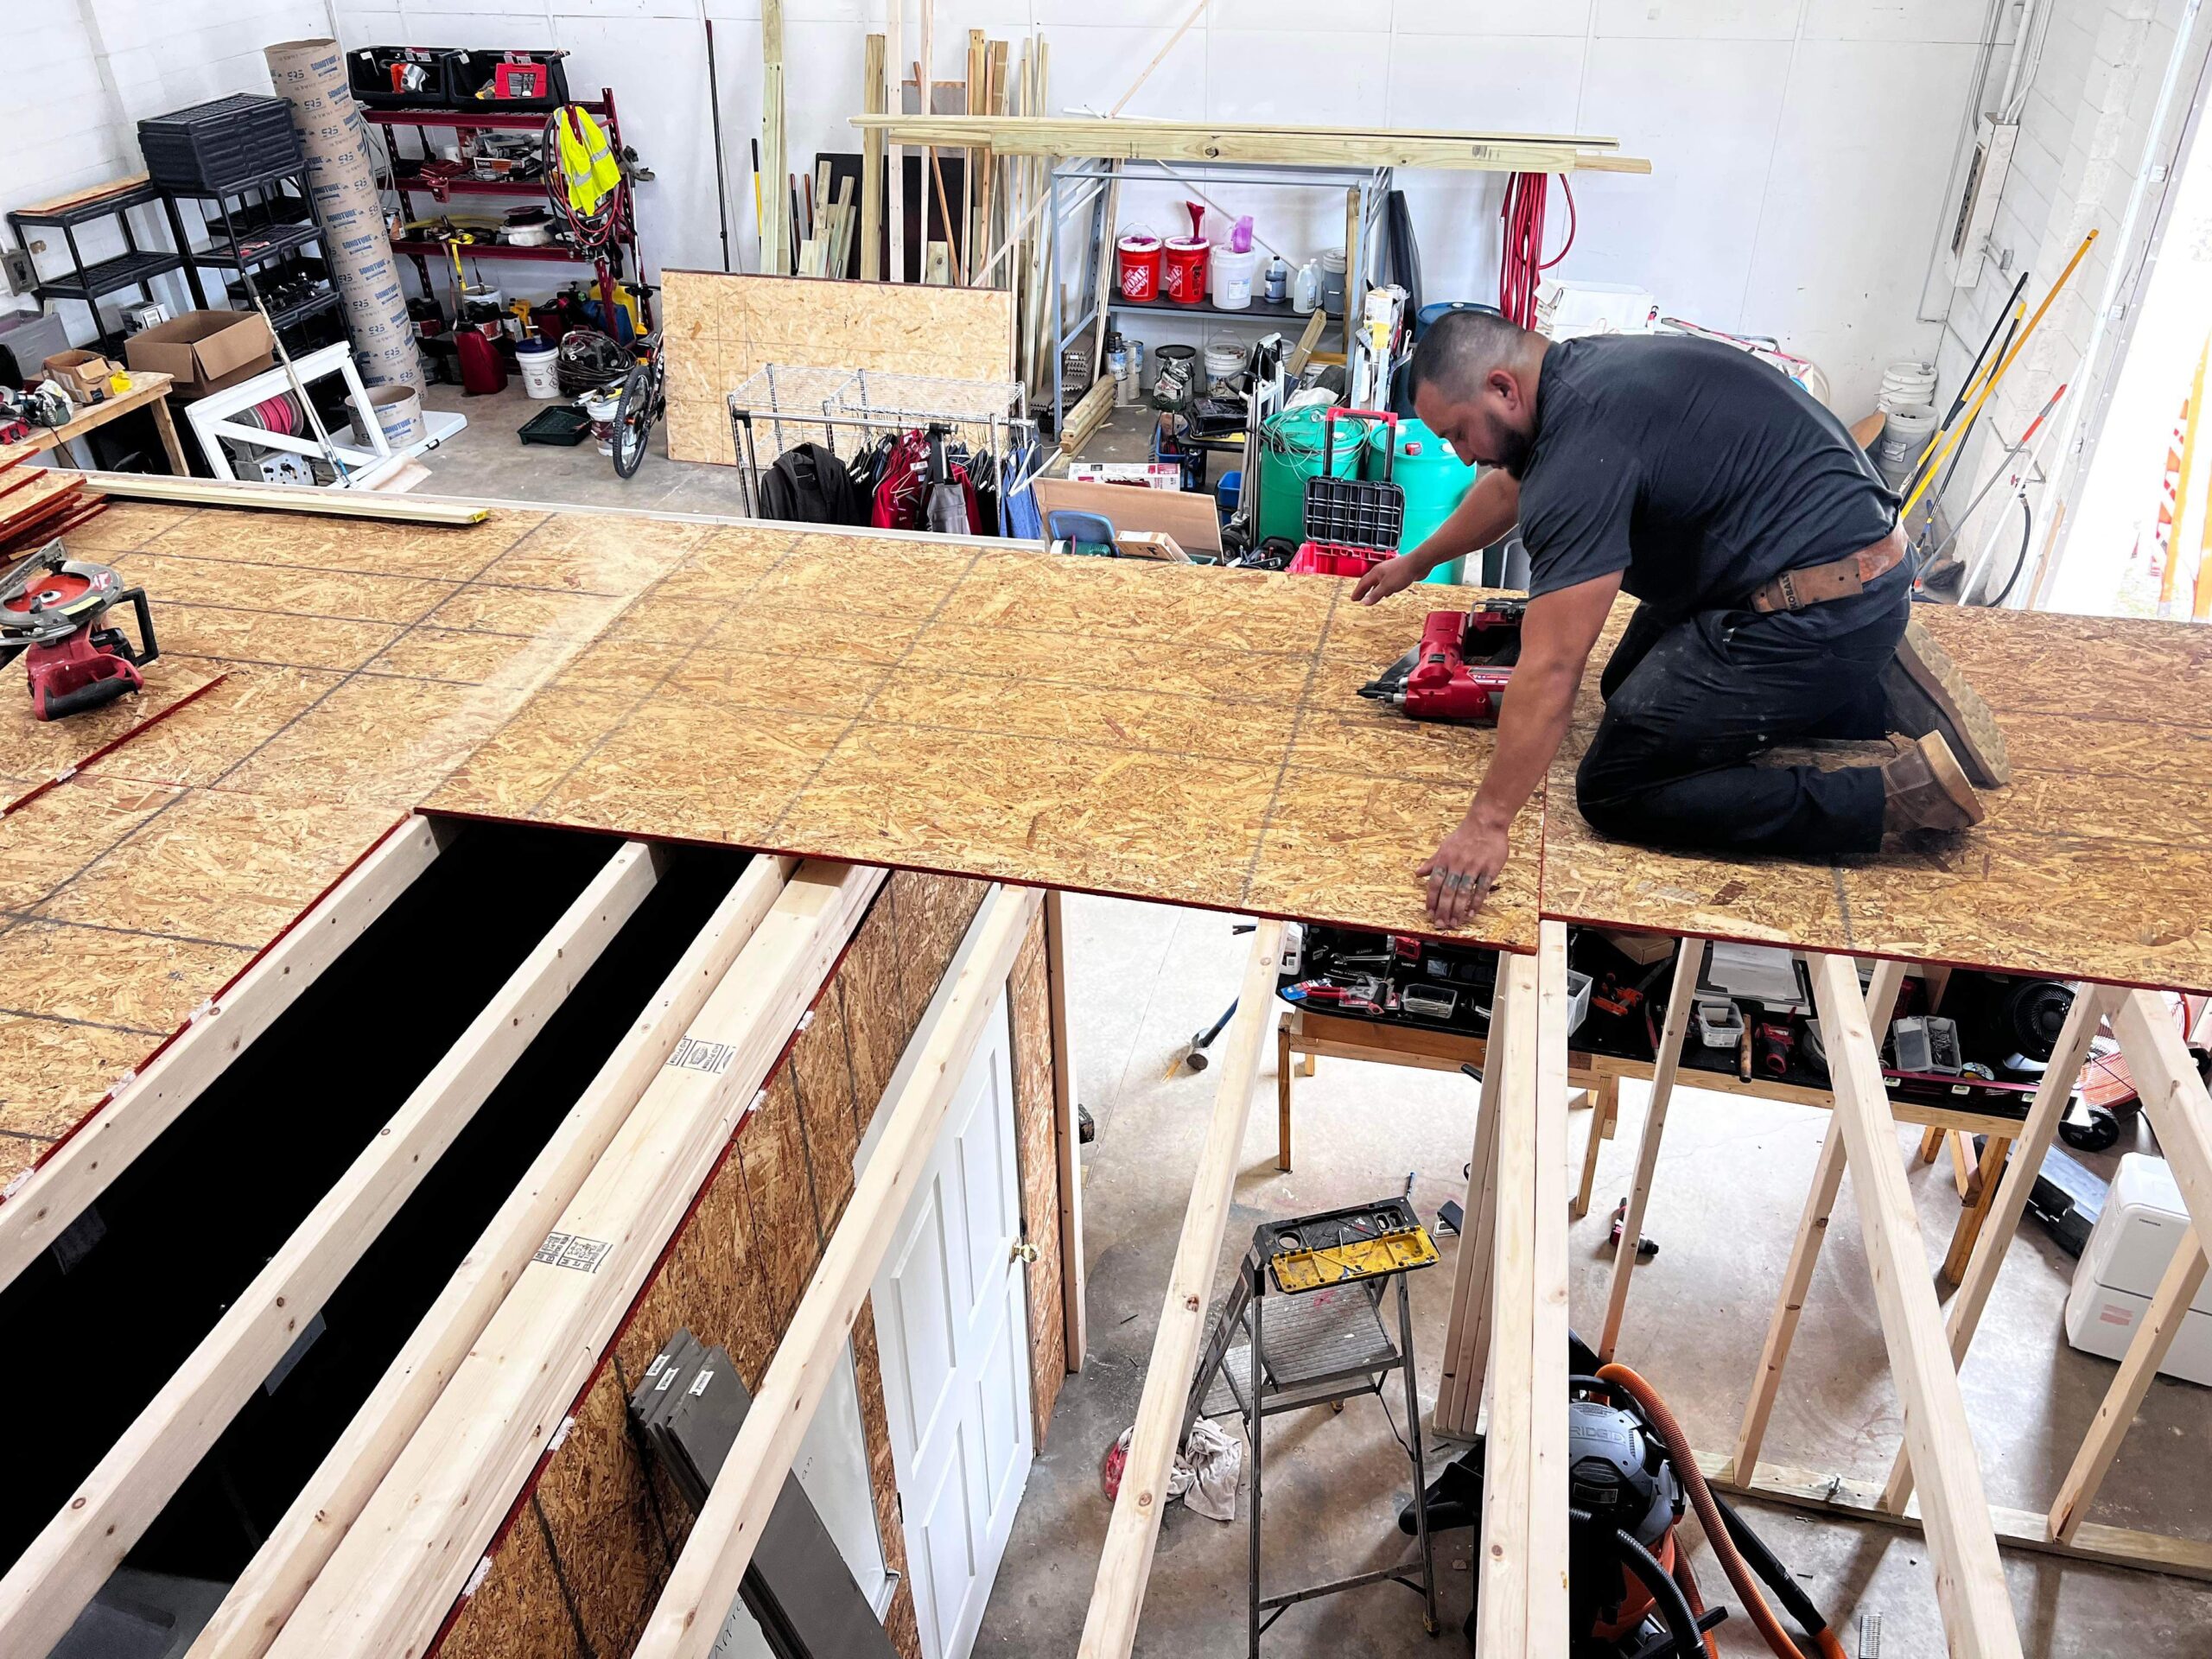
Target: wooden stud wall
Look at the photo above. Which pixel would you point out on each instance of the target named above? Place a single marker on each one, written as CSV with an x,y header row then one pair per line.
x,y
584,1555
722,326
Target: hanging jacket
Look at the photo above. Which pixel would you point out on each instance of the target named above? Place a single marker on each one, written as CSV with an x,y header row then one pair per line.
x,y
809,484
589,172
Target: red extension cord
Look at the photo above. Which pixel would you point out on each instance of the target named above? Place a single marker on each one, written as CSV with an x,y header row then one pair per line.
x,y
1522,262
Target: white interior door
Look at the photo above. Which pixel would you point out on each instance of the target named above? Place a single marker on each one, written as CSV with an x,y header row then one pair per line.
x,y
951,1321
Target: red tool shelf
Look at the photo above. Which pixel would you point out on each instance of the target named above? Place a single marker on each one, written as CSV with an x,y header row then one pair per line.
x,y
493,251
488,121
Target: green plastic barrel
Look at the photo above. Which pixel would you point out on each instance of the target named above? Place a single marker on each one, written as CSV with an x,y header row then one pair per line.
x,y
1290,453
1435,480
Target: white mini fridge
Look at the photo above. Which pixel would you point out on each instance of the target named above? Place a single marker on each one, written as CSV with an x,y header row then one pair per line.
x,y
2129,1249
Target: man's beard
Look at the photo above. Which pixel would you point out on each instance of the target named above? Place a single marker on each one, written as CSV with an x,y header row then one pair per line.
x,y
1513,453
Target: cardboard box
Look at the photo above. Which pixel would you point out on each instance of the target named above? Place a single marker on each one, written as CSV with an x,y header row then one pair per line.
x,y
201,346
83,375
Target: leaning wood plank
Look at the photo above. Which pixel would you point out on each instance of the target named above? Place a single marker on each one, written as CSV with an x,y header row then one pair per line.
x,y
1067,1130
399,1568
280,497
1466,1334
871,95
1969,1579
1861,1500
703,1583
43,1201
1546,1378
1812,1232
2147,1352
1682,997
2091,1003
288,1562
71,1559
1509,1379
1109,1629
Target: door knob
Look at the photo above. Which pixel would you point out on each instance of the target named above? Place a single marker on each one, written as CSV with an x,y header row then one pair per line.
x,y
1025,1253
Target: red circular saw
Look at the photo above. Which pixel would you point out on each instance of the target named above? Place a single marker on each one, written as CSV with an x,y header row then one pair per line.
x,y
50,611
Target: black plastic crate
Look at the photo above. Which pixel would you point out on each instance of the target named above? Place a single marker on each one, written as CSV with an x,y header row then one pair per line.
x,y
506,80
399,77
216,147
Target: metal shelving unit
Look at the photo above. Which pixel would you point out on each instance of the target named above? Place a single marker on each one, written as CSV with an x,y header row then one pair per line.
x,y
251,226
1077,184
404,177
136,267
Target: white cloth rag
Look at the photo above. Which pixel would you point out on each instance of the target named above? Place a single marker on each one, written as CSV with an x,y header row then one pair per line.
x,y
1206,1471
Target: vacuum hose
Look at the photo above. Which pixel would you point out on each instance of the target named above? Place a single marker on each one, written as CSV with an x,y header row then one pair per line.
x,y
1717,1531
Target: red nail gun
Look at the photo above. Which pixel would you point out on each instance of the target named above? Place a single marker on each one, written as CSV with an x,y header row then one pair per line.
x,y
1458,671
50,611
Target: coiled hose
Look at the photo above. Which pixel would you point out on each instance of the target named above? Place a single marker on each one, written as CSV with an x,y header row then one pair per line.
x,y
1711,1516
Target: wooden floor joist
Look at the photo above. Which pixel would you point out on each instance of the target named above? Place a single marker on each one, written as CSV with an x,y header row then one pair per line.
x,y
1969,1578
703,1585
44,1200
72,1558
1109,1628
390,1581
264,1596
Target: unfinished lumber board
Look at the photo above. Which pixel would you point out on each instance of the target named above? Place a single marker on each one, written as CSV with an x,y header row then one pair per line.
x,y
2091,1004
2146,1353
1068,1129
1812,1233
72,1558
1547,1365
399,1568
43,1201
264,1596
1503,1561
1467,1335
1681,998
704,1582
1969,1579
1109,1628
873,57
1854,1499
2173,1098
283,498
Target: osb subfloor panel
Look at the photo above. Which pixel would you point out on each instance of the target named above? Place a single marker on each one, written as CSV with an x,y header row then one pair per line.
x,y
1173,734
2094,863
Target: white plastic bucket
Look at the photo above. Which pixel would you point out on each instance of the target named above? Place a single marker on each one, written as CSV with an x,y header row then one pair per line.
x,y
1232,278
398,409
1905,432
539,360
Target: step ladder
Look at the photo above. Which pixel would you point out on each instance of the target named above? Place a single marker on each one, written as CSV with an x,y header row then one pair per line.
x,y
1304,1325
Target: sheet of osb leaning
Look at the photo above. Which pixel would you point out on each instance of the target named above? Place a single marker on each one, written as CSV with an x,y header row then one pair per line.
x,y
1169,732
2094,863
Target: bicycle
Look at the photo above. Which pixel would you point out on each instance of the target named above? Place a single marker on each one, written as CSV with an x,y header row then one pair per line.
x,y
643,400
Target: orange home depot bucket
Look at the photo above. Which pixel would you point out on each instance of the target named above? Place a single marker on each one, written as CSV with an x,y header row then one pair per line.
x,y
1140,255
1185,272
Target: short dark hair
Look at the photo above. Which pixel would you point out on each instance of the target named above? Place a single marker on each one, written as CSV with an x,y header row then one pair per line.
x,y
1460,348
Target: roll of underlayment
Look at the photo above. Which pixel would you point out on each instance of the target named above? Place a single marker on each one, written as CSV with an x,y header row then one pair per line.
x,y
342,185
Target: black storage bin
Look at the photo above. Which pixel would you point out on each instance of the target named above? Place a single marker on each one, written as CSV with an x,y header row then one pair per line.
x,y
506,80
399,77
213,148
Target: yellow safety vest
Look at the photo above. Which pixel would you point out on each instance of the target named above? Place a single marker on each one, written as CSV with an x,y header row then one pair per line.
x,y
588,170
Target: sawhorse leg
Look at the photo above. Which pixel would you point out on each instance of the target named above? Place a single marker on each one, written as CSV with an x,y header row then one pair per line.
x,y
1604,1113
1283,1093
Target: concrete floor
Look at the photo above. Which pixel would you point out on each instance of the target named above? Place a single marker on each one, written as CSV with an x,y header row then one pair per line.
x,y
1731,1183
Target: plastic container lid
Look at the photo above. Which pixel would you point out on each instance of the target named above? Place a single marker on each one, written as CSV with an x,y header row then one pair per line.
x,y
1333,259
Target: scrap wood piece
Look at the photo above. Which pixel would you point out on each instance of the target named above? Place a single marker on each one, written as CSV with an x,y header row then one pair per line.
x,y
1109,1628
703,1583
1969,1578
393,1578
265,1594
64,1566
42,1202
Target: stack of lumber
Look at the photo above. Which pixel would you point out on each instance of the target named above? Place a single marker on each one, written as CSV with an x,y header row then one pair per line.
x,y
38,504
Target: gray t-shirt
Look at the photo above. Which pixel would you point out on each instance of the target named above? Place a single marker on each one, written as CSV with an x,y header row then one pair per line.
x,y
1693,466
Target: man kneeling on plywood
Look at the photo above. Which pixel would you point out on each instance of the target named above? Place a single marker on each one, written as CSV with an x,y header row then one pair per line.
x,y
1774,581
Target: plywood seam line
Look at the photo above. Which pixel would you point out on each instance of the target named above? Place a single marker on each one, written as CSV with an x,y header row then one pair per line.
x,y
703,1586
72,1558
264,1596
52,1195
1133,1531
392,1580
1969,1578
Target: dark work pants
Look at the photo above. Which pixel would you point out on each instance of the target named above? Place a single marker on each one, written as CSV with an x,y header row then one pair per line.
x,y
1689,703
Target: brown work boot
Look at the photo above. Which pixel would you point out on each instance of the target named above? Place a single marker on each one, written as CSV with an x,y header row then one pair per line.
x,y
1925,789
1928,693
